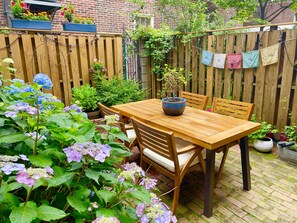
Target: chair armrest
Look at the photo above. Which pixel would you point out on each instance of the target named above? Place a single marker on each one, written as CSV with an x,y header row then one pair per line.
x,y
187,149
128,126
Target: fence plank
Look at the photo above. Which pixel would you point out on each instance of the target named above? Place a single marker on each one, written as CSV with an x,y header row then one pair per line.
x,y
4,54
42,54
109,57
227,72
74,61
174,54
194,65
271,83
83,60
218,72
92,51
118,45
65,70
181,58
209,72
249,73
238,72
53,64
202,69
29,57
287,79
188,66
260,81
101,50
16,56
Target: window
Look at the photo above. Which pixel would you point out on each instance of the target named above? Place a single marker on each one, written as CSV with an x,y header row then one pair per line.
x,y
144,20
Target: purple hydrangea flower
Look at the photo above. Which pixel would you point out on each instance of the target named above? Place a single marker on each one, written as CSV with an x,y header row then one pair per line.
x,y
8,168
49,170
1,83
43,80
24,178
73,107
140,209
13,110
145,219
23,157
148,183
97,151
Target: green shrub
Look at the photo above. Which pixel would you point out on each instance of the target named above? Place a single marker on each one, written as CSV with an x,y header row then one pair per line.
x,y
261,133
117,91
86,97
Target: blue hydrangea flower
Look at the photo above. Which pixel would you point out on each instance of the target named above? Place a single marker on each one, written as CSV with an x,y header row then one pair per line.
x,y
0,83
43,80
16,80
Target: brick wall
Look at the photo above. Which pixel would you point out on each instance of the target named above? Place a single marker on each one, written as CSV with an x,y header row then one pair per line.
x,y
109,15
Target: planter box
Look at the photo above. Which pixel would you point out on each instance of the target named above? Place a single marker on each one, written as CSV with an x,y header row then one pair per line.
x,y
286,154
79,27
31,24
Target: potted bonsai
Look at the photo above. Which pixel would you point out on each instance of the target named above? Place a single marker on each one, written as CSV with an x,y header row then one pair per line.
x,y
287,150
76,22
260,141
86,97
172,80
24,19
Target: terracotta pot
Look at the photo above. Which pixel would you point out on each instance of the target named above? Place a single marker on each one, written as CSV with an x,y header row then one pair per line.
x,y
264,145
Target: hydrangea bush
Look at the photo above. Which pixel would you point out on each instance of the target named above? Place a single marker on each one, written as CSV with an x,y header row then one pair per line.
x,y
57,166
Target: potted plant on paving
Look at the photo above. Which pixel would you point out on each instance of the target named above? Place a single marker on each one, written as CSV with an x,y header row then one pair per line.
x,y
287,150
86,97
173,79
261,142
24,19
76,22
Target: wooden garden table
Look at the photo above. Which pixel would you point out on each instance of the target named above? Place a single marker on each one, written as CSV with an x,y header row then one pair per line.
x,y
206,129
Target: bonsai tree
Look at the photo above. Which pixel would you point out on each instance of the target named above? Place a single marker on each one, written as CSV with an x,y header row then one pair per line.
x,y
86,97
172,79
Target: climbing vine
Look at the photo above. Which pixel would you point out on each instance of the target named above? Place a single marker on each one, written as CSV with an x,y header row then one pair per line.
x,y
158,42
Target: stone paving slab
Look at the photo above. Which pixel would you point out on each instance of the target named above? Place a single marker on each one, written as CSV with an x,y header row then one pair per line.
x,y
273,197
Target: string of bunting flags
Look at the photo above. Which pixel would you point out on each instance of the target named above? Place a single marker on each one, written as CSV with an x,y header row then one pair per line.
x,y
250,59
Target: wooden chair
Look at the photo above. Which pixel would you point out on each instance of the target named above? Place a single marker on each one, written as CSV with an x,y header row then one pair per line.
x,y
236,109
126,128
194,100
171,156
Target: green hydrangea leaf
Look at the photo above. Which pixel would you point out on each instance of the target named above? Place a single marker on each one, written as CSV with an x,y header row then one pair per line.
x,y
24,214
77,204
47,213
40,161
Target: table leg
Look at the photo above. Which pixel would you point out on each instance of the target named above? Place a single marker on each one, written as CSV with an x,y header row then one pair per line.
x,y
245,163
209,183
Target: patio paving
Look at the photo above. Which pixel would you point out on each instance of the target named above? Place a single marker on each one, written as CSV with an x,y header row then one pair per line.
x,y
273,196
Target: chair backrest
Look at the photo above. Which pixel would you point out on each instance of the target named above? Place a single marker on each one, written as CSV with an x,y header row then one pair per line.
x,y
194,100
105,111
236,109
159,141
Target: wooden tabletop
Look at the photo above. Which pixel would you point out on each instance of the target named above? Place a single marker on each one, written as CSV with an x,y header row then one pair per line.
x,y
207,129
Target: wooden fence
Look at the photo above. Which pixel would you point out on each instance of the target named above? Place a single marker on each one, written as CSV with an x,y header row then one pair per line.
x,y
271,88
65,58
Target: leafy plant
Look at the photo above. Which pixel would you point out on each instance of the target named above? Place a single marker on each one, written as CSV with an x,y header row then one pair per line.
x,y
86,97
117,90
172,80
21,10
55,166
68,12
261,133
291,132
158,42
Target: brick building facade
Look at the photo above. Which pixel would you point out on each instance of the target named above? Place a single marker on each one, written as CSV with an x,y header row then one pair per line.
x,y
109,15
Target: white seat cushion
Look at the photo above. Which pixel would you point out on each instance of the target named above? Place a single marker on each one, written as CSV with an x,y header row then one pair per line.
x,y
182,158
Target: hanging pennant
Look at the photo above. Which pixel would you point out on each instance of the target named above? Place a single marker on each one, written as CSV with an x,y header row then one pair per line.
x,y
219,60
207,57
269,55
250,59
234,61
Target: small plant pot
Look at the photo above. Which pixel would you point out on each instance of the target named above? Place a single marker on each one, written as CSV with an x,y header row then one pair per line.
x,y
264,145
93,114
173,107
